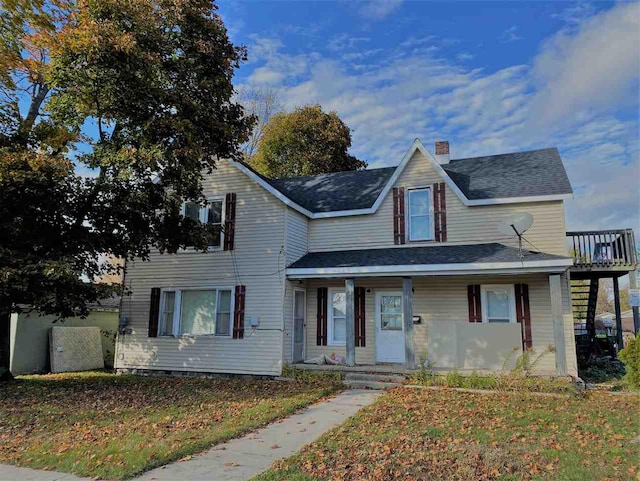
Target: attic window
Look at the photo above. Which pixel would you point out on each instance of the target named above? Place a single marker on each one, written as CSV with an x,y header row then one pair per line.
x,y
420,215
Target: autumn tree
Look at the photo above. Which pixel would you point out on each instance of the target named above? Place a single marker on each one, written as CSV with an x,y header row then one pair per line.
x,y
110,112
307,141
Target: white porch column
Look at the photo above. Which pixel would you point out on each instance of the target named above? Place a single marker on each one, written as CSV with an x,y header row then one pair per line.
x,y
555,288
349,289
407,319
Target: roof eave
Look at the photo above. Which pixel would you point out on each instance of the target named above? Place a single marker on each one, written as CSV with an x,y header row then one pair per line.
x,y
478,268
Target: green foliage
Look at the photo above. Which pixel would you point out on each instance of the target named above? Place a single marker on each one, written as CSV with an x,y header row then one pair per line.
x,y
630,356
306,141
149,81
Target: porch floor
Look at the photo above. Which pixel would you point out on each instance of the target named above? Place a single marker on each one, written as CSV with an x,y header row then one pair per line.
x,y
363,368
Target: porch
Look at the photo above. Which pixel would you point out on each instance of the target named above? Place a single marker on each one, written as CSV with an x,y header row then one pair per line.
x,y
458,317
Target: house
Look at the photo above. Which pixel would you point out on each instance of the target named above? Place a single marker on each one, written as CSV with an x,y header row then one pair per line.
x,y
384,266
29,335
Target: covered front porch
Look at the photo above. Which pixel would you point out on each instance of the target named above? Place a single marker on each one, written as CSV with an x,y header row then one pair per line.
x,y
457,319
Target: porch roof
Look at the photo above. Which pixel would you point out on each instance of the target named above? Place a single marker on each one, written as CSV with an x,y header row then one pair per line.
x,y
431,260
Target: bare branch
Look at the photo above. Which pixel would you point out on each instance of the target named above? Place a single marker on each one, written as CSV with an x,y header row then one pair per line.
x,y
262,102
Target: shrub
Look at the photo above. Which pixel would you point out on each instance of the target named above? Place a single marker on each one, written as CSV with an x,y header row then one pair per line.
x,y
630,356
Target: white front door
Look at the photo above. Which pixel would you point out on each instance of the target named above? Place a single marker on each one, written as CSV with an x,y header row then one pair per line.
x,y
389,327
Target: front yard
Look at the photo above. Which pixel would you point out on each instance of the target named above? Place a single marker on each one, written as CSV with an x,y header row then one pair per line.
x,y
411,434
107,426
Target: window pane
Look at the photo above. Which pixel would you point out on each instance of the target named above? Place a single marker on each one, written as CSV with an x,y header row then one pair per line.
x,y
166,317
391,304
192,211
223,324
198,310
420,227
299,308
339,304
498,304
391,322
419,202
225,301
339,329
215,212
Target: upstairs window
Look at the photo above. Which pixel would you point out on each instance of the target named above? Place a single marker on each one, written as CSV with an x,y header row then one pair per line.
x,y
210,214
420,215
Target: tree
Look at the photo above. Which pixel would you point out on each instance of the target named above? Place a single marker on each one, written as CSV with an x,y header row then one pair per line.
x,y
137,95
306,141
261,102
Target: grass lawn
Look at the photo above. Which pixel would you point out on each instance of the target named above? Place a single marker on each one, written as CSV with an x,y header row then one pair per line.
x,y
107,426
411,434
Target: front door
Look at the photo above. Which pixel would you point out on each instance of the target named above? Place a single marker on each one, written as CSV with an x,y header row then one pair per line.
x,y
389,327
299,309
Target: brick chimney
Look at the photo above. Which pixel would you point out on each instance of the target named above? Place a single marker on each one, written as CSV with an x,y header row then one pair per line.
x,y
442,151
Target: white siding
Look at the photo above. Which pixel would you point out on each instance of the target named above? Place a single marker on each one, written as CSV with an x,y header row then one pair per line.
x,y
297,235
444,299
259,265
465,225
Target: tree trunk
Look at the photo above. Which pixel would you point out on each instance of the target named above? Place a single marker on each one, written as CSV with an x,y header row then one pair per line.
x,y
5,328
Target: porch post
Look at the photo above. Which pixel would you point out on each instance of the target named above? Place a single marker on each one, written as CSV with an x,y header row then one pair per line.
x,y
616,303
407,319
633,284
349,289
555,288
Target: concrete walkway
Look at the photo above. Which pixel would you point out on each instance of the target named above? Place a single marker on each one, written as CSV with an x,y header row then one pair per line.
x,y
243,458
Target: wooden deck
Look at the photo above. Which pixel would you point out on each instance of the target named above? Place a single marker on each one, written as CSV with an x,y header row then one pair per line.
x,y
603,253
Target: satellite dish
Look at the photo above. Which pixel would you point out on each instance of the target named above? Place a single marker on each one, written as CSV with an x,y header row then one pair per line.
x,y
517,224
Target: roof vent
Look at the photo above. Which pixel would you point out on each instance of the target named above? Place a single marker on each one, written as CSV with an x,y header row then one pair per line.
x,y
442,151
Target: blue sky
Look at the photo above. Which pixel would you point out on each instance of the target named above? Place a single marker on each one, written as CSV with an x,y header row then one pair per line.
x,y
490,77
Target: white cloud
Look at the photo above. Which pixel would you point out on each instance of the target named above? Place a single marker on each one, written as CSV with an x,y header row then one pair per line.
x,y
343,41
378,9
264,75
575,14
464,56
591,69
510,35
415,41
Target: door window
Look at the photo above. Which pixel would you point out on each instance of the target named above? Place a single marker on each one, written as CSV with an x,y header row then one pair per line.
x,y
391,313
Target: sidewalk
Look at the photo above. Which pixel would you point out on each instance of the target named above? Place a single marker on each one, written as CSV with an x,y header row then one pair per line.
x,y
243,458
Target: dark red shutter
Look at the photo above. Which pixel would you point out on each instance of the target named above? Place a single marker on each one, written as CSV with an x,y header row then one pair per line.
x,y
154,312
321,329
475,304
238,313
523,314
360,319
440,212
398,216
229,221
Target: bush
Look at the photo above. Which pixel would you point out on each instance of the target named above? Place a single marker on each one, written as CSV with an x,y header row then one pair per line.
x,y
630,356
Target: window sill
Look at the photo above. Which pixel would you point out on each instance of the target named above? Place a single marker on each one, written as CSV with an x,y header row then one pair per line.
x,y
190,336
338,344
191,250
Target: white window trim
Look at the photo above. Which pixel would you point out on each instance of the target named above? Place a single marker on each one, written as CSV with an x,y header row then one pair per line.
x,y
330,339
177,308
408,213
512,300
203,218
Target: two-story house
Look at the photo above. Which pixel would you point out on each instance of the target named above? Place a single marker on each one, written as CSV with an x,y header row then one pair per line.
x,y
391,265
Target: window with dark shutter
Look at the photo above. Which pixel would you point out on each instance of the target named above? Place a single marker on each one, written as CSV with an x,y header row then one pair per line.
x,y
475,304
360,320
229,221
398,216
440,212
523,314
321,328
238,312
154,312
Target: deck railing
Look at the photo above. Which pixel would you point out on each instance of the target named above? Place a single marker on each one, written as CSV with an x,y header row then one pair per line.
x,y
603,249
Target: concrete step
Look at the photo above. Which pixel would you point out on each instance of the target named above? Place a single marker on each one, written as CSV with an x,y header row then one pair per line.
x,y
370,385
371,377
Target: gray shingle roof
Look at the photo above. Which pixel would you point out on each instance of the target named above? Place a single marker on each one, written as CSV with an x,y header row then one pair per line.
x,y
336,191
406,256
519,174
